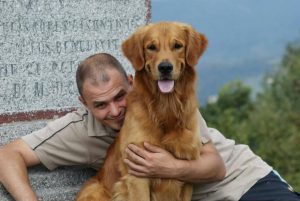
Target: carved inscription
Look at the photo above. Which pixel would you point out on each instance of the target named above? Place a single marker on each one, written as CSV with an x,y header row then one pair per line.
x,y
42,42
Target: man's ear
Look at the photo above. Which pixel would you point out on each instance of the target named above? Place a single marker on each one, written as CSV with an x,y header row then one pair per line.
x,y
130,79
81,99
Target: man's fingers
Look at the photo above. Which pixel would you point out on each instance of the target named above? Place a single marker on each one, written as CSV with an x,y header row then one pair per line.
x,y
137,174
137,150
152,148
133,167
134,157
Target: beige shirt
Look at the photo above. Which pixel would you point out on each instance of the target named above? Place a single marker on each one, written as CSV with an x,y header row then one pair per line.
x,y
243,169
79,139
74,139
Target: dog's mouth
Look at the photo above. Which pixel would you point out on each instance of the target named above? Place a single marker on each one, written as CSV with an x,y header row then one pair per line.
x,y
166,86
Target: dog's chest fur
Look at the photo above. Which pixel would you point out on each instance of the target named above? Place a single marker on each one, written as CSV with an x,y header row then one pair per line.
x,y
166,120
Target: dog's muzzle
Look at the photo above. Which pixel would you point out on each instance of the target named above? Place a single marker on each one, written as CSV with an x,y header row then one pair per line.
x,y
165,84
165,68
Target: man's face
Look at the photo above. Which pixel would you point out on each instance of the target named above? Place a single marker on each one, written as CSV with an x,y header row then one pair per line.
x,y
107,101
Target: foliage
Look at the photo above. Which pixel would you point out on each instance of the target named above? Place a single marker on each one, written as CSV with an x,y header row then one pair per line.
x,y
270,124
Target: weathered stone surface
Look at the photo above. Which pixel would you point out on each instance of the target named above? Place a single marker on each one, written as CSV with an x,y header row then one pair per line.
x,y
61,184
42,41
9,132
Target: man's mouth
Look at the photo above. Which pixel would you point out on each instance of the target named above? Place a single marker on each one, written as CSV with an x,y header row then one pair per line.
x,y
121,116
166,86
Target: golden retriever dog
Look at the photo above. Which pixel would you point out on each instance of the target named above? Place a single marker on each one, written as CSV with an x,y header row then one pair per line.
x,y
161,110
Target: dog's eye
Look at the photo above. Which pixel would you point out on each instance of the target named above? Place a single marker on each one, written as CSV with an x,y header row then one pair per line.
x,y
177,46
151,47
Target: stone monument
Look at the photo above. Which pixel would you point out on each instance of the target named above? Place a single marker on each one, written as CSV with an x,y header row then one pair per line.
x,y
41,44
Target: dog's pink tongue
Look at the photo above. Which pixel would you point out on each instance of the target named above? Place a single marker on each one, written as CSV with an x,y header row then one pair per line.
x,y
166,86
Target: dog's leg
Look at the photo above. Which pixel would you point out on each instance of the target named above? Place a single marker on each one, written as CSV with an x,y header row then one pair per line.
x,y
131,188
187,192
93,190
99,187
170,190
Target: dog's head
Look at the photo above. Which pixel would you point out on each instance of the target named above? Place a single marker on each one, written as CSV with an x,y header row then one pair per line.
x,y
164,50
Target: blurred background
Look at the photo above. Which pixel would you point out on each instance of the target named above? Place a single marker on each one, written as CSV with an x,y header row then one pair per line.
x,y
249,77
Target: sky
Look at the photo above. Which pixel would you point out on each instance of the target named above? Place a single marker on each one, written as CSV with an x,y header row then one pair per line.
x,y
247,38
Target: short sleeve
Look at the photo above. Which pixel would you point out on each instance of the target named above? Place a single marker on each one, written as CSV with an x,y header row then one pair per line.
x,y
61,142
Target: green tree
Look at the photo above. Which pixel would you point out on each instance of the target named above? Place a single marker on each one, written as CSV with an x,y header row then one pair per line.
x,y
229,110
270,124
274,124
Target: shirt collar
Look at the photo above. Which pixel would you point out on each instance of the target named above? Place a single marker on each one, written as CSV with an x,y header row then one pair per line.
x,y
95,128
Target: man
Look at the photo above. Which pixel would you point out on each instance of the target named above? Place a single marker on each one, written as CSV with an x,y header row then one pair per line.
x,y
82,137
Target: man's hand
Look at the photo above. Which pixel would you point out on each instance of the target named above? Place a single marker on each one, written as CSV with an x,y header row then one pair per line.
x,y
156,162
152,161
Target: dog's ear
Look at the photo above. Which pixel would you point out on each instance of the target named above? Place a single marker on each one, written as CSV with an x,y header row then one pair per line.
x,y
132,48
196,45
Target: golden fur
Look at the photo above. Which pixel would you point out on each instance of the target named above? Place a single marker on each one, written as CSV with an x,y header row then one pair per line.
x,y
168,119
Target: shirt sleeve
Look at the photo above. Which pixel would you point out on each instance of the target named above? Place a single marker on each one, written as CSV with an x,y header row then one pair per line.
x,y
60,142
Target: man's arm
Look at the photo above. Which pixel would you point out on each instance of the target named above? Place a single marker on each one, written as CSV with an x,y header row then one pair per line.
x,y
15,157
157,162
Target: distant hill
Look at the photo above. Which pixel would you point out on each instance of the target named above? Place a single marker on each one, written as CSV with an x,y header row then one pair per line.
x,y
246,38
211,78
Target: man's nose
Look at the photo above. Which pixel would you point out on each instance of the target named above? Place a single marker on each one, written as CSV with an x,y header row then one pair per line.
x,y
114,109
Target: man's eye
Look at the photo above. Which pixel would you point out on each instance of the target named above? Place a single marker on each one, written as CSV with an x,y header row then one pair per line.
x,y
120,97
101,106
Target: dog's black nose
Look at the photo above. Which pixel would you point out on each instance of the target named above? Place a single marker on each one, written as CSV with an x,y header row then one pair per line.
x,y
165,67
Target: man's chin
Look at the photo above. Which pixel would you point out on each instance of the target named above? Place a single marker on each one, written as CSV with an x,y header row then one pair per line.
x,y
116,128
115,125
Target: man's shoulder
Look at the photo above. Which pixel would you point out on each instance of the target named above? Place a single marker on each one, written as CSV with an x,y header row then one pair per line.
x,y
89,123
80,114
77,118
